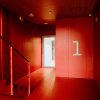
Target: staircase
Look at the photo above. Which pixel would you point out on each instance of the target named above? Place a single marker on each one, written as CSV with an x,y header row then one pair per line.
x,y
22,87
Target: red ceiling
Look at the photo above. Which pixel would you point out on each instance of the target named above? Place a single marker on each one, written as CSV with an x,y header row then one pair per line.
x,y
58,8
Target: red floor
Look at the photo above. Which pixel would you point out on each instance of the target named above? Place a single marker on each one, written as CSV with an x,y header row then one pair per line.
x,y
51,88
45,86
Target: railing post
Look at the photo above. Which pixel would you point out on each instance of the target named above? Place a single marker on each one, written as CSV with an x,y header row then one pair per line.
x,y
11,71
29,78
1,48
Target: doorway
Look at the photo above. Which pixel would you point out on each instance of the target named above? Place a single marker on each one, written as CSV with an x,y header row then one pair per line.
x,y
48,51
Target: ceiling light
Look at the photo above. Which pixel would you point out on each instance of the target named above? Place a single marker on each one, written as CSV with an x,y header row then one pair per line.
x,y
96,19
31,15
21,19
45,23
50,12
90,14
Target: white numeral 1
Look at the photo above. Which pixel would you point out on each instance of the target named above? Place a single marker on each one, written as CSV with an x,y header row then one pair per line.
x,y
77,49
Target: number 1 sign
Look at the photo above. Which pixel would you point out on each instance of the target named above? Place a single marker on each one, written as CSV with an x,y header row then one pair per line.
x,y
77,49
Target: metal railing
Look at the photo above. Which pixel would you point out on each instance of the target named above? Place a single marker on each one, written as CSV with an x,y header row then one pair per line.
x,y
12,70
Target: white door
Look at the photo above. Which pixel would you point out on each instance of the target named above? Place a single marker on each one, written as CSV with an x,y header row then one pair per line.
x,y
48,51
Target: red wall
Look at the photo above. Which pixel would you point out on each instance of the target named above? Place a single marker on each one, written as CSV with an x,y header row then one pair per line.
x,y
4,48
25,37
97,50
67,31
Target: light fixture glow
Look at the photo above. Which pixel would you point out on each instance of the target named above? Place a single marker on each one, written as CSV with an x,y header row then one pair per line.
x,y
90,14
96,19
21,18
31,15
45,23
50,12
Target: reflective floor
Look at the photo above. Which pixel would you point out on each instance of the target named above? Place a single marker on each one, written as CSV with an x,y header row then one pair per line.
x,y
51,88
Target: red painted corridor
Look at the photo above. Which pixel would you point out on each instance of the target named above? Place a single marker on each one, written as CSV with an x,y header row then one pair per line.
x,y
65,67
